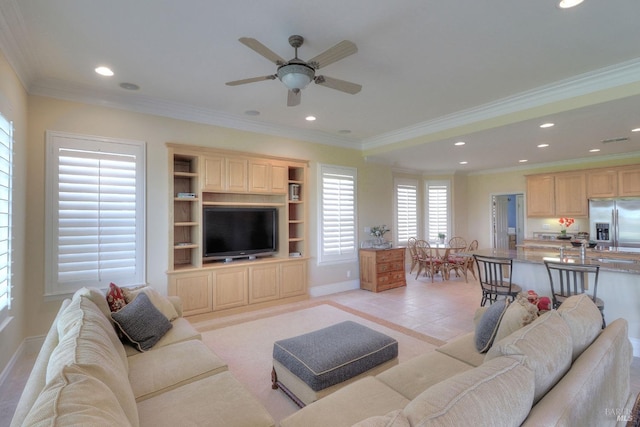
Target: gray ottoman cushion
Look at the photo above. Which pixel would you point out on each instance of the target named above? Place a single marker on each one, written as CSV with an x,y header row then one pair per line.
x,y
334,354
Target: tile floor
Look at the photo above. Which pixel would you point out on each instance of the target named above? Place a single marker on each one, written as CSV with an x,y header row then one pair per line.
x,y
442,309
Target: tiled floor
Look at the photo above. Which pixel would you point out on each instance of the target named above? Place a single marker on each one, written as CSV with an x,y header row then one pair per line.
x,y
442,309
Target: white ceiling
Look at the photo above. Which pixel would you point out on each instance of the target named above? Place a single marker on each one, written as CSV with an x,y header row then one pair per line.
x,y
433,73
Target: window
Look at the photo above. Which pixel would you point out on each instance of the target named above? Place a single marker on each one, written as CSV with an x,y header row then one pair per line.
x,y
6,188
95,212
406,210
337,213
438,209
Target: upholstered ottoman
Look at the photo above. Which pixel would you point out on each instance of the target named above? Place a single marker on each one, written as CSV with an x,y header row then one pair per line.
x,y
310,366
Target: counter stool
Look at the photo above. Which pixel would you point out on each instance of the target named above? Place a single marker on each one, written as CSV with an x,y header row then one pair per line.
x,y
494,274
568,279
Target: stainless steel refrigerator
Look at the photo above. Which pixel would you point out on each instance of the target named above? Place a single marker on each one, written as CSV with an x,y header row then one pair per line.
x,y
615,222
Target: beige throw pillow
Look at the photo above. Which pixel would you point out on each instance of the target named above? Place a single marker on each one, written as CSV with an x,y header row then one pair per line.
x,y
584,320
519,314
161,302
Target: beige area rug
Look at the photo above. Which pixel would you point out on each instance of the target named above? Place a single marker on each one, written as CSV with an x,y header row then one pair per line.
x,y
247,344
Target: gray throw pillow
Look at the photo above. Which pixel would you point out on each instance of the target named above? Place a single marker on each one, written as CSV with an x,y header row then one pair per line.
x,y
487,327
141,322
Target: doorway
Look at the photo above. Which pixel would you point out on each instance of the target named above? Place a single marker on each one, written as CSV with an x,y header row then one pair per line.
x,y
507,220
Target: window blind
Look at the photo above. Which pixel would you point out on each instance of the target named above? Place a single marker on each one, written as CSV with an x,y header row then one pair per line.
x,y
406,211
6,165
338,234
437,209
97,216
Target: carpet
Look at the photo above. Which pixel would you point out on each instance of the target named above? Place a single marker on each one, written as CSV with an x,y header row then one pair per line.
x,y
247,344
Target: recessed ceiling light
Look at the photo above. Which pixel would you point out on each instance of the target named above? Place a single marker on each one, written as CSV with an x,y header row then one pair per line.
x,y
523,161
460,143
543,145
546,125
129,86
463,163
594,150
310,118
104,71
252,113
566,4
635,130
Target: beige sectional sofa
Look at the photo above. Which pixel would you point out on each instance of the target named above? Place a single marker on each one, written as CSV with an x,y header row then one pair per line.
x,y
84,375
560,370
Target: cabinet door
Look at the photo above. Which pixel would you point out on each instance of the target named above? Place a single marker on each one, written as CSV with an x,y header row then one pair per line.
x,y
571,195
194,289
279,178
264,283
294,279
629,183
259,176
540,196
229,288
236,175
602,183
214,174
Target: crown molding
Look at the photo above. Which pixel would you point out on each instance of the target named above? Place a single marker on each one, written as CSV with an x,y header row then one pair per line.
x,y
583,84
18,54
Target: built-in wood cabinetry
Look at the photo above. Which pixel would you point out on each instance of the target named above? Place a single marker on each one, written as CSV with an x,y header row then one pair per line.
x,y
207,177
382,269
568,193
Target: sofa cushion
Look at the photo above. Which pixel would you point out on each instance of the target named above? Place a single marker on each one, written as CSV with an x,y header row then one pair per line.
x,y
499,392
519,314
164,368
74,398
463,349
89,342
141,322
159,301
584,320
547,344
412,377
218,400
487,327
115,297
392,419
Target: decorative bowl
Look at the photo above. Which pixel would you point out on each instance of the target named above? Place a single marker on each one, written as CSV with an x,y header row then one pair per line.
x,y
578,244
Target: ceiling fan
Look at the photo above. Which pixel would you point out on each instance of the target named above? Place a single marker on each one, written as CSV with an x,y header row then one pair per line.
x,y
296,74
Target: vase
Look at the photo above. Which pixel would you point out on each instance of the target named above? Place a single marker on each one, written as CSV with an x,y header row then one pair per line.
x,y
378,241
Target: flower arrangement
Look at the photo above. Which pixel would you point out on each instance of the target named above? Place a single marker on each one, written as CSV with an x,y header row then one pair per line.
x,y
564,224
379,230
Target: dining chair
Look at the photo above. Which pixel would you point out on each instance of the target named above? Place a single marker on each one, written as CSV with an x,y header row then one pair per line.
x,y
567,279
411,245
473,246
455,260
494,274
427,259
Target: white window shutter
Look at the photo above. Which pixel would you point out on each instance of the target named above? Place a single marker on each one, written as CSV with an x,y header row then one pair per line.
x,y
6,188
406,211
338,214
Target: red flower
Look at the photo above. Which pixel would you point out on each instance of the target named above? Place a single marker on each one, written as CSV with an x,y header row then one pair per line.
x,y
566,222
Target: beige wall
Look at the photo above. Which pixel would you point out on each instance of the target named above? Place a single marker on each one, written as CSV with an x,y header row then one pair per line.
x,y
13,105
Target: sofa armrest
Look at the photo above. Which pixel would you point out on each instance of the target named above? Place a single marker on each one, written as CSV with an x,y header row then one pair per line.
x,y
177,304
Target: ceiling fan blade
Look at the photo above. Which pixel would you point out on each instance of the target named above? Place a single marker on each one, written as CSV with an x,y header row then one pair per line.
x,y
338,84
293,98
333,54
251,80
262,50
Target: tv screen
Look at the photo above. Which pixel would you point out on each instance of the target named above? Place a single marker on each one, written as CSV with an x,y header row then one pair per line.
x,y
239,232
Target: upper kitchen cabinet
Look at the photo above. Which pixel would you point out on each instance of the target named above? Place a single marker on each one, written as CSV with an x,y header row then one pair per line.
x,y
622,181
571,194
629,182
541,196
560,194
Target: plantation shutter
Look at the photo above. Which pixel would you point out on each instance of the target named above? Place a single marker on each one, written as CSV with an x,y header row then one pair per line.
x,y
338,214
6,185
437,209
406,211
98,233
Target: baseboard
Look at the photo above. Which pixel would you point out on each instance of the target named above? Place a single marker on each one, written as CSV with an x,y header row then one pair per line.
x,y
28,347
334,288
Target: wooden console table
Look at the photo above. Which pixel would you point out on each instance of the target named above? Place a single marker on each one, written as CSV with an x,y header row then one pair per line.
x,y
382,269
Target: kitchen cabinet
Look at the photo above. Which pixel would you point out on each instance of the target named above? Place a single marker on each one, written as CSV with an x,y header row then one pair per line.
x,y
571,195
602,183
541,200
629,182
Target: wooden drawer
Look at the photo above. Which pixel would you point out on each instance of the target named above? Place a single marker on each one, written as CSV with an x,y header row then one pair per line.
x,y
390,266
386,256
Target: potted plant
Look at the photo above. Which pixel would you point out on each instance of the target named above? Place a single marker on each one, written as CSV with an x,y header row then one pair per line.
x,y
564,224
378,233
441,236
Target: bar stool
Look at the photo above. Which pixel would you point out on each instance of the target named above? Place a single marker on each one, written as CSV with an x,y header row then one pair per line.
x,y
568,279
494,274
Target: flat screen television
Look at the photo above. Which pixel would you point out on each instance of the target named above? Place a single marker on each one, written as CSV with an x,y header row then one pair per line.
x,y
230,232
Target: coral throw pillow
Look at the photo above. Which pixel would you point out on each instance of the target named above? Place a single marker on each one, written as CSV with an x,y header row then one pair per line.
x,y
115,298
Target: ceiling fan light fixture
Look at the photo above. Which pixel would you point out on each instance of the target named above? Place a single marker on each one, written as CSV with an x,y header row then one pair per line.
x,y
566,4
295,76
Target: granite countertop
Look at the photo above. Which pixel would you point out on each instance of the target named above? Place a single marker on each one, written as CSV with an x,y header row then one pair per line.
x,y
571,255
